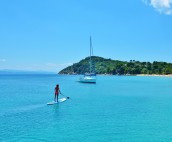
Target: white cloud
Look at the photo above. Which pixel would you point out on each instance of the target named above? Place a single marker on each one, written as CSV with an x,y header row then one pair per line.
x,y
163,6
58,65
2,60
52,67
48,66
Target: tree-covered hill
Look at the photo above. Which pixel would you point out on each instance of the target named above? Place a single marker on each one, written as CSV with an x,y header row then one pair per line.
x,y
109,66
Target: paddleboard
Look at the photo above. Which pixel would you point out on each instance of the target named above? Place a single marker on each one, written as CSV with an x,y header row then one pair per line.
x,y
59,101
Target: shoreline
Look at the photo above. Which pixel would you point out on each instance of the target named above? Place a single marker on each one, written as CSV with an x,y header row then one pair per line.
x,y
156,75
169,75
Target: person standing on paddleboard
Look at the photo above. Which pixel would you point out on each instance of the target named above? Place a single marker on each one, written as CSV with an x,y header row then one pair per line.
x,y
57,91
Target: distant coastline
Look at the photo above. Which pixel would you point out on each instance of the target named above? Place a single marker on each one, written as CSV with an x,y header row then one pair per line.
x,y
10,72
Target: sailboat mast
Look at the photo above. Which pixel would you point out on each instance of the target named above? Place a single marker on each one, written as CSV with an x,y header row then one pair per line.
x,y
90,54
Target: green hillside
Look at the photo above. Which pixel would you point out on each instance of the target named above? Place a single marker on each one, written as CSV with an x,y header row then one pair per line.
x,y
115,67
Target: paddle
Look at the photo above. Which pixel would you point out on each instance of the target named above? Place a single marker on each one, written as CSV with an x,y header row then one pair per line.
x,y
64,96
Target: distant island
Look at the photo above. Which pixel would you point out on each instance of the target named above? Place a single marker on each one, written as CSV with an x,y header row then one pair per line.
x,y
116,67
8,72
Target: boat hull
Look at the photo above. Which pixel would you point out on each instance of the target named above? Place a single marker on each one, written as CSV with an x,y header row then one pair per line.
x,y
87,80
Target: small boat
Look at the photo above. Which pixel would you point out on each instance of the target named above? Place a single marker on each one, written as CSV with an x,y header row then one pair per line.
x,y
91,76
88,78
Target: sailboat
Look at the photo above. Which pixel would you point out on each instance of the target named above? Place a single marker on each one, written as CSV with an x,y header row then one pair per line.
x,y
91,76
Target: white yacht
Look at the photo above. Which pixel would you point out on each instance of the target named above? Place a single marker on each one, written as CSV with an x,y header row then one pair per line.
x,y
91,76
88,78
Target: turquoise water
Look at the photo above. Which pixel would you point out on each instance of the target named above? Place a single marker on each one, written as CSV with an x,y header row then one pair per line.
x,y
117,108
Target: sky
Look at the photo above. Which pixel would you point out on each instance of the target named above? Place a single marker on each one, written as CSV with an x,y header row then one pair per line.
x,y
49,35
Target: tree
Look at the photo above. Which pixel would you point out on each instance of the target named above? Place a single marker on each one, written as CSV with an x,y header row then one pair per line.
x,y
118,67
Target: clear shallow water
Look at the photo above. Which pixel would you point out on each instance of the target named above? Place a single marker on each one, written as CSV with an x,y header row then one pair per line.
x,y
117,108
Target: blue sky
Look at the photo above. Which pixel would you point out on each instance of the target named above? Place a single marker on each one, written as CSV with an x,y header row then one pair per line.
x,y
52,34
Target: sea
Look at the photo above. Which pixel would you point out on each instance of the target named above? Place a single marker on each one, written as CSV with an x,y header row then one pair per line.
x,y
115,109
